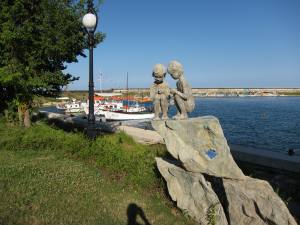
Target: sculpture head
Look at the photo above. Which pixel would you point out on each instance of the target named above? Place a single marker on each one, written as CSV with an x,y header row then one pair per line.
x,y
159,73
175,69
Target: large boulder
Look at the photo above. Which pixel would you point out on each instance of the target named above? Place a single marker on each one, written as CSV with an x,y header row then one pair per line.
x,y
253,202
192,193
207,184
200,145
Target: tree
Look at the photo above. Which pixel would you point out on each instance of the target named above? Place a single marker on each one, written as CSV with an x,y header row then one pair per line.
x,y
37,38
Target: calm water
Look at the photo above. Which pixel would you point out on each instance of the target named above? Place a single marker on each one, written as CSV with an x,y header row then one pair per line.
x,y
271,123
262,122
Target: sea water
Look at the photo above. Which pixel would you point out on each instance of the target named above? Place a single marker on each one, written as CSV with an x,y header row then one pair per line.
x,y
271,123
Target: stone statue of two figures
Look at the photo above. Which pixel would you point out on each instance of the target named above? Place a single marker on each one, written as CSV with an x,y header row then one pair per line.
x,y
160,92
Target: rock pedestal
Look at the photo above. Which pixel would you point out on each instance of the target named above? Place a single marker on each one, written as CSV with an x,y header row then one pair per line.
x,y
209,186
199,143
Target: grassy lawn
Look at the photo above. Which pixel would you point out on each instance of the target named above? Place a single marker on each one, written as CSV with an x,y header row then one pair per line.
x,y
48,176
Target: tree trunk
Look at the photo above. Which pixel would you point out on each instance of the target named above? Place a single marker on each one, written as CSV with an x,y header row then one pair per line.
x,y
20,114
27,122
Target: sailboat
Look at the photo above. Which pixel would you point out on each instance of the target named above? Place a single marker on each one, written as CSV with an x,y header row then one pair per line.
x,y
120,111
129,112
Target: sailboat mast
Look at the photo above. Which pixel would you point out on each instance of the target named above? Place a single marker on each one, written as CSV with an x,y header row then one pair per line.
x,y
100,82
127,92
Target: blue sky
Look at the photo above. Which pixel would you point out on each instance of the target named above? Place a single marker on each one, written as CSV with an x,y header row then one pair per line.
x,y
221,43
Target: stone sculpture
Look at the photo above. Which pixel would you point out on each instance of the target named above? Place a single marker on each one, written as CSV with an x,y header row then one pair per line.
x,y
183,96
160,92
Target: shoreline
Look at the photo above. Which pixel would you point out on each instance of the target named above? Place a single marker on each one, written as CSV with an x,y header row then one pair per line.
x,y
145,125
257,156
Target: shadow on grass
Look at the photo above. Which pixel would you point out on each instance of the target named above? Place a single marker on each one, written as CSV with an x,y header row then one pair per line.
x,y
67,126
133,213
57,123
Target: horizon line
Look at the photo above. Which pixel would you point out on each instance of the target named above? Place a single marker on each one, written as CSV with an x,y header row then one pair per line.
x,y
192,88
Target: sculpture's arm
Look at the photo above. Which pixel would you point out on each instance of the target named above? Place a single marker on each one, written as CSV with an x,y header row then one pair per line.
x,y
152,92
167,91
182,95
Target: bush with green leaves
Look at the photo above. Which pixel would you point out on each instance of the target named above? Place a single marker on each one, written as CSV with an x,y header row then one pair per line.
x,y
37,39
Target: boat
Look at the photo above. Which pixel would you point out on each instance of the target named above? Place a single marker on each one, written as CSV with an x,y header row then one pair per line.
x,y
123,115
71,107
62,104
75,107
107,101
143,99
111,106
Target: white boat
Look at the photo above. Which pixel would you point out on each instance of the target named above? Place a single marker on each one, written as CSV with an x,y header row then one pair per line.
x,y
111,107
122,114
62,103
118,116
105,102
75,107
118,112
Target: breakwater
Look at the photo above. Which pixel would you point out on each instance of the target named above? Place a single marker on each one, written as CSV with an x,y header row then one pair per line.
x,y
228,91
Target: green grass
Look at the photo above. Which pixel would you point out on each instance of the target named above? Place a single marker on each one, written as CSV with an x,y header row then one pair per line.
x,y
48,176
290,93
117,153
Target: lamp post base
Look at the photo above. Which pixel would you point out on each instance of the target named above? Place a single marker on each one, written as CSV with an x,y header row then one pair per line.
x,y
91,132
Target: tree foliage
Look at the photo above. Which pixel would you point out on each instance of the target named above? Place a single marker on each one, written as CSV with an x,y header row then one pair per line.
x,y
37,39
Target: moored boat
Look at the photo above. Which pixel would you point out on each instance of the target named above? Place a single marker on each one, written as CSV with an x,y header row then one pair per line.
x,y
123,115
112,107
75,107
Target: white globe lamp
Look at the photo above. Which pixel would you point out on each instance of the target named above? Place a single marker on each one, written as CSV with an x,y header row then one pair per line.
x,y
89,21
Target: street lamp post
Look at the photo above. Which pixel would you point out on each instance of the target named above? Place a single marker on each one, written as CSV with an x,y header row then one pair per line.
x,y
90,21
